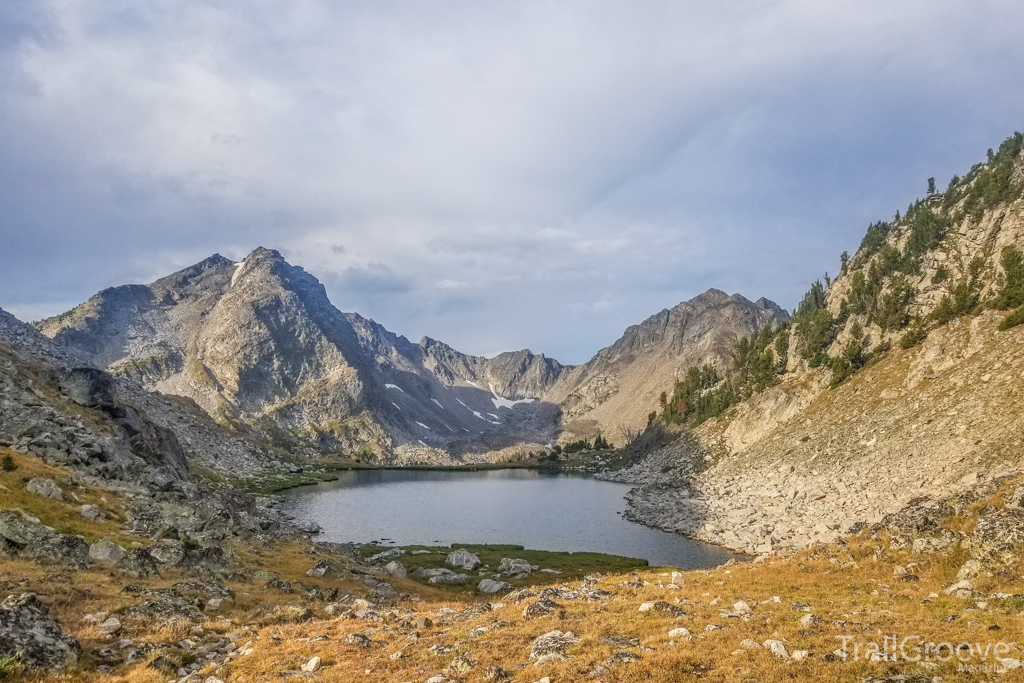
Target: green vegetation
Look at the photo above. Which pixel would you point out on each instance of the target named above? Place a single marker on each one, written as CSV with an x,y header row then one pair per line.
x,y
963,296
569,565
915,335
1012,320
851,359
599,444
8,464
699,396
991,183
10,667
1011,295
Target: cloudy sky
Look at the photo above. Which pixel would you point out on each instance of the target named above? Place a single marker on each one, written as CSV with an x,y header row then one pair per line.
x,y
498,175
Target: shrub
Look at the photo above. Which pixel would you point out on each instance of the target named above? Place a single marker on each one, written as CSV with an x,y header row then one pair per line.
x,y
8,464
816,331
915,335
1012,293
963,296
1012,320
10,667
852,357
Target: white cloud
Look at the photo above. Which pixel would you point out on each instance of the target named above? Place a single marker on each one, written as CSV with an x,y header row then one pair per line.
x,y
485,172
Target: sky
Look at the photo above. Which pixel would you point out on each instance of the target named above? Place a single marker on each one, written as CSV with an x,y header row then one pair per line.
x,y
497,175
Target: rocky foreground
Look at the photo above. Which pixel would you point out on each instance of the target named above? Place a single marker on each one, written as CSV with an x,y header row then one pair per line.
x,y
88,597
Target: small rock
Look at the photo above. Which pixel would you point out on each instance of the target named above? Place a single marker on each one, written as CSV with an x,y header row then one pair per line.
x,y
809,621
513,566
678,633
748,644
110,626
800,655
777,648
964,585
312,665
646,607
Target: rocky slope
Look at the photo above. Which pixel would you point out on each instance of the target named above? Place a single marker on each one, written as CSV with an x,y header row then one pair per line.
x,y
805,461
258,345
621,384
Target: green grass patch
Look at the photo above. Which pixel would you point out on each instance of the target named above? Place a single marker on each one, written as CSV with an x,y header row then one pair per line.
x,y
569,565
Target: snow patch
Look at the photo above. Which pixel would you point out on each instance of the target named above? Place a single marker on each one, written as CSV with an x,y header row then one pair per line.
x,y
494,416
438,403
395,405
476,413
238,271
423,425
395,386
500,402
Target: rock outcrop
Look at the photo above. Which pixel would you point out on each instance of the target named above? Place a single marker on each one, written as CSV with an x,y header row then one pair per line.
x,y
29,635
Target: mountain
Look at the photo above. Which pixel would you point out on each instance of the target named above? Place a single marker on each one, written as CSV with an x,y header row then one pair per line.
x,y
620,385
259,346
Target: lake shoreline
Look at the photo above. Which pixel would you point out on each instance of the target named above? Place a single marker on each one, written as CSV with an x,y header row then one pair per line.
x,y
480,505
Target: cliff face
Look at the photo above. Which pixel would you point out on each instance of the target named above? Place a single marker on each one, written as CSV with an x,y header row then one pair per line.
x,y
259,346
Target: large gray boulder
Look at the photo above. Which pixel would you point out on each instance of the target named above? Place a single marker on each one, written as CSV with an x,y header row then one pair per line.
x,y
512,566
139,563
463,559
490,586
22,535
387,556
395,569
448,579
45,487
28,633
105,551
18,531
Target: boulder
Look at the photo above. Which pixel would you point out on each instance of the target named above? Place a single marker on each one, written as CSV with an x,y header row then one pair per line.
x,y
110,626
512,566
91,512
491,586
463,559
424,573
138,563
448,579
395,569
18,531
45,487
387,556
553,642
28,632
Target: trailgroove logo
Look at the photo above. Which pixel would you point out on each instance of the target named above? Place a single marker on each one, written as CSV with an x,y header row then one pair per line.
x,y
990,657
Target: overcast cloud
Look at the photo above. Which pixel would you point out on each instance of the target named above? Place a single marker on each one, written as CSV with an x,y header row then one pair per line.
x,y
497,175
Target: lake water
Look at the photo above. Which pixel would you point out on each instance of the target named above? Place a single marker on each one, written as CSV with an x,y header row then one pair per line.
x,y
537,510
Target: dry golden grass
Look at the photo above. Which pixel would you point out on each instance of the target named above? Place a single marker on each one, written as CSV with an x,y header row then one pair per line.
x,y
63,515
852,583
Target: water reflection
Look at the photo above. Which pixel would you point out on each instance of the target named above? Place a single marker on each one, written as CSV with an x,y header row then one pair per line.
x,y
538,510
